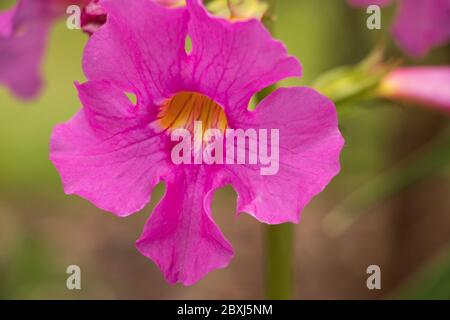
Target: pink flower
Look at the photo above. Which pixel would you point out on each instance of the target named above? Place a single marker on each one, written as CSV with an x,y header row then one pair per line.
x,y
113,152
23,33
423,85
23,36
420,25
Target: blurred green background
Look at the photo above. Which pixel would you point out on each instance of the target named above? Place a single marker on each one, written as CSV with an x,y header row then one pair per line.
x,y
395,159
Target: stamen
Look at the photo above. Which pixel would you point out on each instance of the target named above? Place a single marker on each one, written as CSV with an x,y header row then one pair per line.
x,y
184,108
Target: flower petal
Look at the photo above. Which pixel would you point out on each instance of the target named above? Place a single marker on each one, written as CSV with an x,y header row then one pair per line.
x,y
140,48
422,25
181,236
107,153
309,148
230,62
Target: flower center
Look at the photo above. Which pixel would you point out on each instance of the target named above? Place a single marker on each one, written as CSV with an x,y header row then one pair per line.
x,y
185,108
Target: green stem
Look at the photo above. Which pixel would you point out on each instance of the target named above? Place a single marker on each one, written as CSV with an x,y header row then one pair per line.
x,y
279,239
279,271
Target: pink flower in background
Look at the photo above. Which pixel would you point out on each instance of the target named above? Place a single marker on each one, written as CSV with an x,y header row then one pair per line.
x,y
23,37
23,33
428,86
113,152
420,25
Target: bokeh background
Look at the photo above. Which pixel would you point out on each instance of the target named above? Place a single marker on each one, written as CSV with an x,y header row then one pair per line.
x,y
390,206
